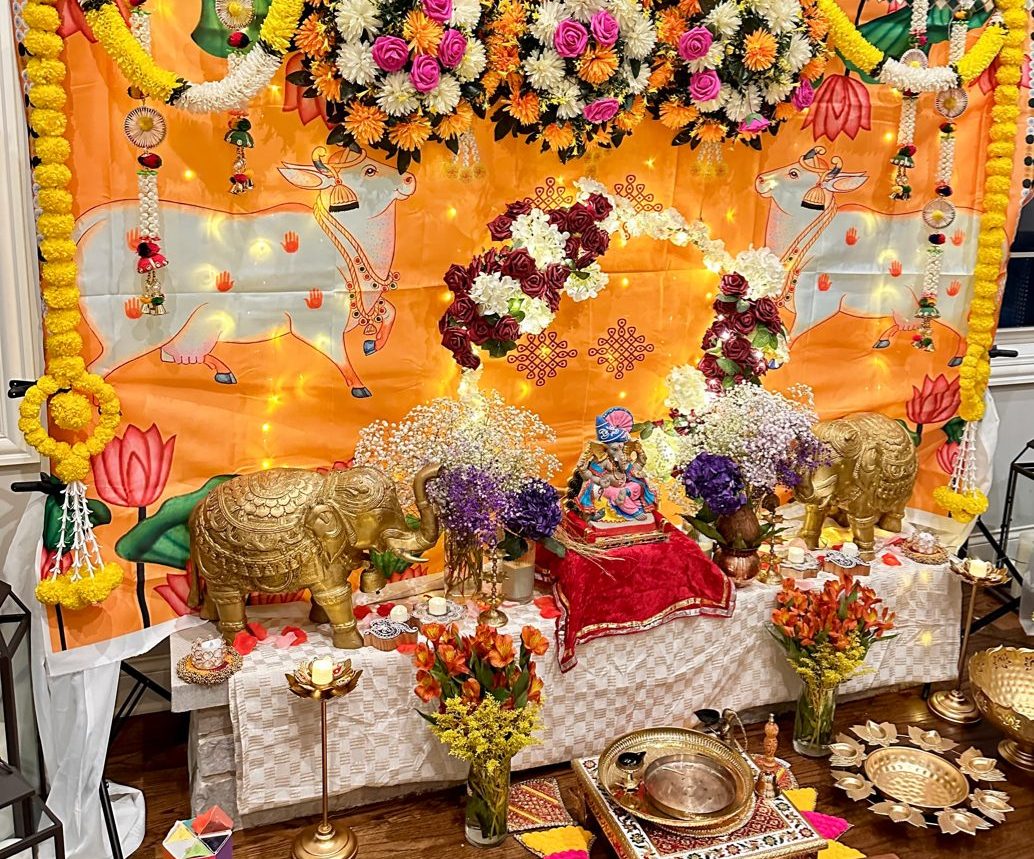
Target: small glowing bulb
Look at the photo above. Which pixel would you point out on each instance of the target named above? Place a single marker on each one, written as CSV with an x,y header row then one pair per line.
x,y
451,212
274,400
267,464
265,427
888,136
649,163
730,214
624,281
189,174
622,394
447,296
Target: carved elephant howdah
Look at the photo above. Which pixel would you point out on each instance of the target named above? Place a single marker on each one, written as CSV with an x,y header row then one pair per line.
x,y
285,529
867,483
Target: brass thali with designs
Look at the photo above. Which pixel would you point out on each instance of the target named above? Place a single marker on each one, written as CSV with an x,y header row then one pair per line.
x,y
680,779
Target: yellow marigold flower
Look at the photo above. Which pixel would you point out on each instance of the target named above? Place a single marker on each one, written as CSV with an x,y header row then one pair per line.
x,y
411,134
759,50
676,115
52,149
457,122
312,37
43,71
365,122
422,33
326,81
281,21
597,65
48,96
558,136
56,200
710,132
524,107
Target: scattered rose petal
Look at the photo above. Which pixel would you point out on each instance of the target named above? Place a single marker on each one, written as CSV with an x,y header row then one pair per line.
x,y
257,629
407,649
890,560
384,609
282,642
362,611
244,642
300,636
547,608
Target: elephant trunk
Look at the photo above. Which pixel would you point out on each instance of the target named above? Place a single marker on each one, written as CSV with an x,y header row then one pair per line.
x,y
413,543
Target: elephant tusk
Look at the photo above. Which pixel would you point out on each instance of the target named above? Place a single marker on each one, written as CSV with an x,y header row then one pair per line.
x,y
413,559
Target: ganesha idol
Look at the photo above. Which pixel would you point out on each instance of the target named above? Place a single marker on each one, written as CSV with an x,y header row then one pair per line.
x,y
609,496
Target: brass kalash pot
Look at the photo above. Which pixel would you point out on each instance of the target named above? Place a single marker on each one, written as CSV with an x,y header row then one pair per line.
x,y
1002,681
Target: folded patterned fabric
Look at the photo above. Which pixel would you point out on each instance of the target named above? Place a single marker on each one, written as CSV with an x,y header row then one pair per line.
x,y
829,827
536,804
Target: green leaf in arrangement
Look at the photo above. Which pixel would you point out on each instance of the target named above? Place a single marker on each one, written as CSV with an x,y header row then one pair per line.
x,y
953,429
387,563
729,366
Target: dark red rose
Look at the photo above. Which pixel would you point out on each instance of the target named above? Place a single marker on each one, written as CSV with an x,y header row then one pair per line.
x,y
458,280
480,330
518,207
556,275
724,308
713,335
584,261
463,308
708,365
535,285
595,241
519,264
714,385
558,218
455,339
739,350
489,262
580,218
571,247
500,227
506,329
745,322
467,358
552,298
733,284
767,312
599,205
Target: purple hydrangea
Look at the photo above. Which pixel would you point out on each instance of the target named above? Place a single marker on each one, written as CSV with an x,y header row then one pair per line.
x,y
471,504
534,511
715,481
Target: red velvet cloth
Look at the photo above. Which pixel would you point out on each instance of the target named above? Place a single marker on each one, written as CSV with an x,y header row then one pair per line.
x,y
633,589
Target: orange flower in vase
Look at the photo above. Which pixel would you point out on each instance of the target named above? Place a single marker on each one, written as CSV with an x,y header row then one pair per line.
x,y
534,641
502,653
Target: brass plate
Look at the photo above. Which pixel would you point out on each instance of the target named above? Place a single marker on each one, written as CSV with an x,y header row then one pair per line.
x,y
709,785
922,779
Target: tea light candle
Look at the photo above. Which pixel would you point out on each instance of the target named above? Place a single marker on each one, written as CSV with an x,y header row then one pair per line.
x,y
795,554
437,606
399,614
850,550
322,671
212,646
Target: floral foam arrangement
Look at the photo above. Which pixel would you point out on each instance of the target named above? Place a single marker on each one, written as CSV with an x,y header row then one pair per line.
x,y
571,73
734,70
394,75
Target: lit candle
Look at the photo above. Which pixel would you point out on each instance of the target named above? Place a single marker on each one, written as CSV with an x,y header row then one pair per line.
x,y
795,554
322,671
437,606
399,614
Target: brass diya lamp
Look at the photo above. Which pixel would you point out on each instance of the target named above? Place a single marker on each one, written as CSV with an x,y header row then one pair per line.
x,y
1002,680
323,679
954,705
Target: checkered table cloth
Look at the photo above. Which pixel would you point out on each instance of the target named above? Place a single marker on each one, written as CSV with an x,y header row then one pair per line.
x,y
620,684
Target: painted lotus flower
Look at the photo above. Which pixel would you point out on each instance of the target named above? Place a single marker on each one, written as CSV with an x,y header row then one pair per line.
x,y
132,471
841,106
934,403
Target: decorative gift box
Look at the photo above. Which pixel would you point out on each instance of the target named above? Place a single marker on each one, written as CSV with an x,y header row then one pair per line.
x,y
208,834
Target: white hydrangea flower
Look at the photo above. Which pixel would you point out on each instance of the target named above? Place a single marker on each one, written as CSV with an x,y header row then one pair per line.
x,y
539,237
797,53
714,57
778,91
717,102
781,15
567,98
583,10
763,271
545,69
465,14
354,17
397,96
725,19
549,15
586,283
537,315
355,62
493,292
640,38
473,62
687,390
444,97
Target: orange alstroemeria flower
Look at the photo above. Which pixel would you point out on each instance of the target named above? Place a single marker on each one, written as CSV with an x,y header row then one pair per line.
x,y
433,632
427,688
483,640
534,641
423,658
502,654
453,659
470,692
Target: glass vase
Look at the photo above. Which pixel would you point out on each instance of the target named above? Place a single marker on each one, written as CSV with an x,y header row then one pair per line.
x,y
464,561
488,799
813,726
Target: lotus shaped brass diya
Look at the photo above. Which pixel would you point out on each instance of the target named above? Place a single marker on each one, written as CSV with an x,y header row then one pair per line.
x,y
1002,680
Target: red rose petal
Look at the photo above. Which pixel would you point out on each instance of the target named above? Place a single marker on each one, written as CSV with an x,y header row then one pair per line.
x,y
362,611
406,649
299,634
257,629
547,607
244,642
384,609
891,560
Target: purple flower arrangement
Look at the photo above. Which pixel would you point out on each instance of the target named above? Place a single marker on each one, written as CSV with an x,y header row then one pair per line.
x,y
716,482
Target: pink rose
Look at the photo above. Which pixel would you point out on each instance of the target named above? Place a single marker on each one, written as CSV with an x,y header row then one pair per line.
x,y
604,28
600,111
803,96
754,123
704,86
452,48
390,53
695,43
425,73
570,38
439,10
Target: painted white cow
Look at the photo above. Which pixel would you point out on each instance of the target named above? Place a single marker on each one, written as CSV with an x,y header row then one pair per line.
x,y
315,273
855,260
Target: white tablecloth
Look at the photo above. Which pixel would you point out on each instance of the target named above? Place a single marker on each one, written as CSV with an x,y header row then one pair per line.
x,y
620,684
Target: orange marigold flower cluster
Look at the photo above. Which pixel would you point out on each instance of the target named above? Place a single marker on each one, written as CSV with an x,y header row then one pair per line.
x,y
365,123
422,33
597,65
410,134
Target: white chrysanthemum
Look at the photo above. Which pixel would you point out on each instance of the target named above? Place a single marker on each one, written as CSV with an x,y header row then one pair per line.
x,y
587,283
444,97
797,53
778,91
473,62
625,12
397,96
687,390
465,14
637,84
763,271
717,102
569,104
537,315
355,62
545,69
714,57
549,15
354,17
724,19
640,38
781,15
542,240
493,292
583,10
742,103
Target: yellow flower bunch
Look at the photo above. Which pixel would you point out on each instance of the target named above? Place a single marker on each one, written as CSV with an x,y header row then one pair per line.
x,y
280,24
975,61
827,667
487,734
77,589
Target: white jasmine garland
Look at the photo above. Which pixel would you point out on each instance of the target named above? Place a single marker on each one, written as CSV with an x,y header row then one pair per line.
x,y
240,85
444,97
473,62
356,17
494,292
397,96
545,69
916,79
355,62
537,315
587,283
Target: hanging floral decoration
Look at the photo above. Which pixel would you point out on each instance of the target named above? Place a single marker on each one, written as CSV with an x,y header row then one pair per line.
x,y
569,73
75,396
961,496
394,75
915,57
736,72
236,15
243,81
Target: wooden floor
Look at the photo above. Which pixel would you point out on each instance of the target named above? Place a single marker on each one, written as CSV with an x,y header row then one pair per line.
x,y
151,754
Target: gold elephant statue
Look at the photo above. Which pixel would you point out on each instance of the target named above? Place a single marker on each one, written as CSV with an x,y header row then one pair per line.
x,y
285,529
868,482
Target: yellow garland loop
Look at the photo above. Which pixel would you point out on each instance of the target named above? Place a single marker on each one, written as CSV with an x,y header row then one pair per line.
x,y
140,69
846,38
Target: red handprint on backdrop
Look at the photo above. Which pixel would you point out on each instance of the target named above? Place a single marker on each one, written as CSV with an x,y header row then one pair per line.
x,y
290,242
133,308
224,283
314,301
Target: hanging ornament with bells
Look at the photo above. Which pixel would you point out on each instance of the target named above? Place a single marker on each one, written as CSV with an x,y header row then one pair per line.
x,y
236,15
